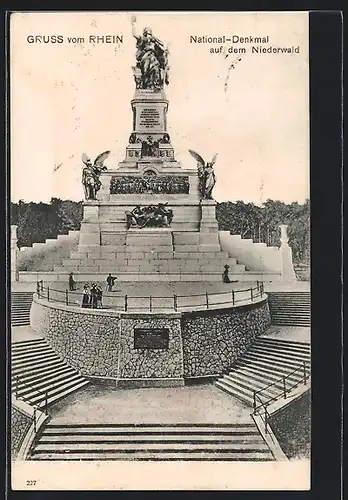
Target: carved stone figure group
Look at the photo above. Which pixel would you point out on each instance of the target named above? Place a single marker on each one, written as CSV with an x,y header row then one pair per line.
x,y
151,70
149,147
150,184
150,216
91,174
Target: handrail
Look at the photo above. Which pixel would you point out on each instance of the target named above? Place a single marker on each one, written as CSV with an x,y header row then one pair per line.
x,y
159,297
276,382
255,292
39,391
283,393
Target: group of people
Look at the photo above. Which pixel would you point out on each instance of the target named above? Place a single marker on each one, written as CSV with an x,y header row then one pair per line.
x,y
157,185
92,296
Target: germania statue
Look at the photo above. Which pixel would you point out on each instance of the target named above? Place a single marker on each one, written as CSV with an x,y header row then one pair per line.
x,y
151,70
91,173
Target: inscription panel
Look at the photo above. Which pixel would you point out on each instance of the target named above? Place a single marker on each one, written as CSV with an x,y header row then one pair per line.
x,y
149,117
150,120
151,338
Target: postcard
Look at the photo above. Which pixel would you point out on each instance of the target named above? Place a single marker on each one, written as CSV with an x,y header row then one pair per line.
x,y
160,251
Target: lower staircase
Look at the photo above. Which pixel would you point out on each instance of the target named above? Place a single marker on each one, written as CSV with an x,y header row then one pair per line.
x,y
266,362
20,308
224,442
290,308
39,376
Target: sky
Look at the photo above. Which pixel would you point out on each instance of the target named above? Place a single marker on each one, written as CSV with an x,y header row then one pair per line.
x,y
71,98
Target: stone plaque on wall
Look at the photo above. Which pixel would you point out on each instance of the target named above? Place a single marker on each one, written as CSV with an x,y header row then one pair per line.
x,y
149,118
151,338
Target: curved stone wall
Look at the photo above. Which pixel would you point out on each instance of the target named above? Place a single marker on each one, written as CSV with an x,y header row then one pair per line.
x,y
213,340
100,343
88,341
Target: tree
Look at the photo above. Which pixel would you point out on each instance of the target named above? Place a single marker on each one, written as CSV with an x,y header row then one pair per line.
x,y
39,221
262,223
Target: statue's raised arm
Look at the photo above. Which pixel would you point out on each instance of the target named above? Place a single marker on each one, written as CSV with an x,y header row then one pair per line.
x,y
133,20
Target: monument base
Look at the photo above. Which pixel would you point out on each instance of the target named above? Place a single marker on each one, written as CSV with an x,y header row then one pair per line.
x,y
189,247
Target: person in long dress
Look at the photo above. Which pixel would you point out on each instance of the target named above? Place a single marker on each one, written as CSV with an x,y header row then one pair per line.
x,y
94,296
225,276
99,294
72,283
86,296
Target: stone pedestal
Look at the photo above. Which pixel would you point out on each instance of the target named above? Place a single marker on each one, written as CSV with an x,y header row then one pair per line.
x,y
208,217
149,141
90,226
149,112
149,175
14,252
287,267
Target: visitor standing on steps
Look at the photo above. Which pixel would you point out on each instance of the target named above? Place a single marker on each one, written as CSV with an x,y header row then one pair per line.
x,y
110,280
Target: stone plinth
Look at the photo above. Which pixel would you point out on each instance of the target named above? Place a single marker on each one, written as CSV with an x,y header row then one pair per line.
x,y
208,222
90,226
149,112
149,141
188,249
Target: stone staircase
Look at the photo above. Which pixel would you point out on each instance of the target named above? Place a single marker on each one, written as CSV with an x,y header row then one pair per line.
x,y
227,442
264,363
148,254
255,256
43,257
20,308
152,252
290,308
37,371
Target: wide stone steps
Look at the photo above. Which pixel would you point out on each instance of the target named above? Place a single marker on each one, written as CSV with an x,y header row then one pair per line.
x,y
151,266
266,362
290,308
39,375
235,442
20,308
134,253
43,257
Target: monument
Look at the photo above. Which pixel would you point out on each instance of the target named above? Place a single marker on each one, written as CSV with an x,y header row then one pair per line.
x,y
149,216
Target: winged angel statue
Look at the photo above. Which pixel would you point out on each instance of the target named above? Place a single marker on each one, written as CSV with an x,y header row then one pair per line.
x,y
91,173
206,175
